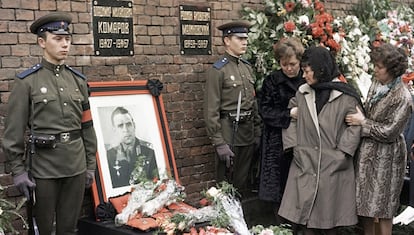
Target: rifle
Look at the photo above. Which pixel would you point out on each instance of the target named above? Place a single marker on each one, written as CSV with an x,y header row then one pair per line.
x,y
229,170
30,202
31,150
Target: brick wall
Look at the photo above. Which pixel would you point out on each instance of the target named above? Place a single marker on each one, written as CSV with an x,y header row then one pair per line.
x,y
157,56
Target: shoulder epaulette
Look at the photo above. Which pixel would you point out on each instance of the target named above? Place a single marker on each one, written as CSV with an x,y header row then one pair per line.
x,y
29,71
220,63
245,61
76,72
145,143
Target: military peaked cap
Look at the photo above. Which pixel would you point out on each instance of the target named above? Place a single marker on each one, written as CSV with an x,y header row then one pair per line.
x,y
236,28
56,23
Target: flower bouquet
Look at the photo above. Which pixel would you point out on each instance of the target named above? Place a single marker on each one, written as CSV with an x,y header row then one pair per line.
x,y
309,21
224,213
148,198
271,230
304,19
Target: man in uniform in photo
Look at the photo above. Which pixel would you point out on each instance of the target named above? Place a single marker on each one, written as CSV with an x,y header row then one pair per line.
x,y
132,160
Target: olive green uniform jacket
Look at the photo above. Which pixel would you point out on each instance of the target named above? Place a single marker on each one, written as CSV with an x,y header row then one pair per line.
x,y
229,76
59,96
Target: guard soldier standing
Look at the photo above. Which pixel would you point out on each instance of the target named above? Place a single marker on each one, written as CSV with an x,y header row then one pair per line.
x,y
51,100
230,100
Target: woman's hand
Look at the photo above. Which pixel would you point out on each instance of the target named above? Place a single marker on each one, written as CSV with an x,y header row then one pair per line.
x,y
355,119
294,112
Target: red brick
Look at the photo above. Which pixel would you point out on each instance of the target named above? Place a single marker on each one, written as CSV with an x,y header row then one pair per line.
x,y
4,26
120,69
47,5
63,6
10,62
81,28
29,4
20,50
17,26
80,6
150,10
7,14
24,15
27,38
144,20
5,50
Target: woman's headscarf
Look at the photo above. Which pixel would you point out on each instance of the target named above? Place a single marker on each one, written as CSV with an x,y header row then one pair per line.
x,y
325,70
322,63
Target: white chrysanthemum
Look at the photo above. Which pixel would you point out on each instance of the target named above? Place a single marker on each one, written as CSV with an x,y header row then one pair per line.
x,y
212,192
266,232
337,37
303,19
305,3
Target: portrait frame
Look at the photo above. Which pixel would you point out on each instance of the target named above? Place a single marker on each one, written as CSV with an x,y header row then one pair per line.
x,y
143,100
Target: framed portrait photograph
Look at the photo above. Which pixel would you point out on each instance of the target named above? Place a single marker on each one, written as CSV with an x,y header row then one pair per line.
x,y
134,144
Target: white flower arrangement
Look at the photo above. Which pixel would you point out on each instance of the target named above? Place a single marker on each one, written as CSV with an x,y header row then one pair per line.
x,y
148,198
354,58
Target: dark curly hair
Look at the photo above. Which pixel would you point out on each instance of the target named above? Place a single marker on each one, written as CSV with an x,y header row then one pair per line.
x,y
394,59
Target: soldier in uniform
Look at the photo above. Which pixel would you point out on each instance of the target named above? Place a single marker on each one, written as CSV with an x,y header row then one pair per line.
x,y
50,100
229,88
133,160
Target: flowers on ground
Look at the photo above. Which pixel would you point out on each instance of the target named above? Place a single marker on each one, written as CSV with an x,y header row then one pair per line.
x,y
9,212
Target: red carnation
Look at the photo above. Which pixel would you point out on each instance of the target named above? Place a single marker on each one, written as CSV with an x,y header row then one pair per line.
x,y
289,26
289,6
319,6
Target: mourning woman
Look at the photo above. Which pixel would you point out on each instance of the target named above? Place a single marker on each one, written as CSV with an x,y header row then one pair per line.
x,y
277,89
382,155
320,190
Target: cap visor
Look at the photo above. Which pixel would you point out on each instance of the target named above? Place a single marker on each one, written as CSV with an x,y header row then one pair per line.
x,y
60,32
241,35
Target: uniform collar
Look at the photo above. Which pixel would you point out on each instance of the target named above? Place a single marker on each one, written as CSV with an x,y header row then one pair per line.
x,y
53,67
233,58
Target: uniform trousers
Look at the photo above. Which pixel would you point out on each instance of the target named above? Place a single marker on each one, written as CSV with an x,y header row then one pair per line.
x,y
60,197
242,162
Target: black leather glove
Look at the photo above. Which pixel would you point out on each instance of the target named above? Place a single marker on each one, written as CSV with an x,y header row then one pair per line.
x,y
225,154
24,184
90,177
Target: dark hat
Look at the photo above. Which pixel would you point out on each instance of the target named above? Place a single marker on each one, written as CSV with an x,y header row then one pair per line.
x,y
236,28
56,23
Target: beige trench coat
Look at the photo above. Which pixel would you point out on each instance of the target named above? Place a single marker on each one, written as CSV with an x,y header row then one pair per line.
x,y
320,191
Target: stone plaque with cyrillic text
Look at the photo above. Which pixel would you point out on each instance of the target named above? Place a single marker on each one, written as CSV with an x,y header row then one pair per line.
x,y
113,28
195,29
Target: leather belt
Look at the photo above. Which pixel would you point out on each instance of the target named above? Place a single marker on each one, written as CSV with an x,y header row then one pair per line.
x,y
65,137
244,115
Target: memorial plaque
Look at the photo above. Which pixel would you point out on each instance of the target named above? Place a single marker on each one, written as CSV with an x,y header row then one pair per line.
x,y
195,28
113,28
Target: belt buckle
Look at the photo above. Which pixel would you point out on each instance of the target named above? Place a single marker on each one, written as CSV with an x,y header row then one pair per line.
x,y
64,137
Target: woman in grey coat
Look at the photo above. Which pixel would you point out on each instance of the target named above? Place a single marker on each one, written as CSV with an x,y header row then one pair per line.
x,y
382,155
320,190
